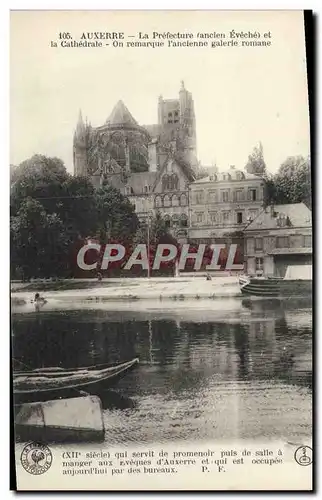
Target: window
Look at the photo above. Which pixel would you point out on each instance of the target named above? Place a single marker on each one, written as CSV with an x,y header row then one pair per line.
x,y
166,201
282,242
224,196
175,200
308,241
252,194
183,200
199,197
239,195
258,243
212,197
170,115
259,263
183,220
128,190
176,113
225,216
250,245
170,182
239,217
158,201
175,220
213,217
146,189
199,217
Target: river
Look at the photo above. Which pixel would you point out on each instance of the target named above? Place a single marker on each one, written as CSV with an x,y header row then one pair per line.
x,y
242,371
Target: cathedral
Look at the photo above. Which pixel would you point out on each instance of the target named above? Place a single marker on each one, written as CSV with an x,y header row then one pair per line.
x,y
152,164
156,167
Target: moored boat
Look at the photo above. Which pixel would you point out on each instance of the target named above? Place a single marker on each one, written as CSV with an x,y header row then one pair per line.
x,y
52,380
297,282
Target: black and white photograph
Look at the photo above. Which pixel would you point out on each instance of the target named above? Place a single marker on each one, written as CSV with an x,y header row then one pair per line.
x,y
161,250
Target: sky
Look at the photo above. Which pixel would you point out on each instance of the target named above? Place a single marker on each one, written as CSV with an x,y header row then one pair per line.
x,y
242,95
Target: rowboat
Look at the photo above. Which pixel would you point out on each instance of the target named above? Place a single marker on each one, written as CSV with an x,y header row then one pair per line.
x,y
297,282
56,379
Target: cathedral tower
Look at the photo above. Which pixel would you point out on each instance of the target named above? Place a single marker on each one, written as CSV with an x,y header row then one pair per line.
x,y
79,148
176,119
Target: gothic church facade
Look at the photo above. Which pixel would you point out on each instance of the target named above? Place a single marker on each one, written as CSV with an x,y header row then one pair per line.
x,y
152,164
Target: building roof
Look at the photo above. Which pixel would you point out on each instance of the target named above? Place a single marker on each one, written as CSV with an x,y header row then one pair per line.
x,y
297,215
232,174
121,116
185,167
138,180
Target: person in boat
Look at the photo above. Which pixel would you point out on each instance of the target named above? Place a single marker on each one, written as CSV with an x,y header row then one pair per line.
x,y
99,276
208,277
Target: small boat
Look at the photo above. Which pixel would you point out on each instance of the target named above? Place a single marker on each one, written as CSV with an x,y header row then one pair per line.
x,y
297,282
49,380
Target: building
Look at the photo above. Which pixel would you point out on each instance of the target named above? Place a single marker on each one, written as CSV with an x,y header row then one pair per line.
x,y
122,146
222,205
279,236
152,164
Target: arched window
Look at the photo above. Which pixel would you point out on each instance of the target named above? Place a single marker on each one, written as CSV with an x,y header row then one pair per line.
x,y
175,220
183,220
175,182
165,182
183,200
158,201
166,201
175,200
167,220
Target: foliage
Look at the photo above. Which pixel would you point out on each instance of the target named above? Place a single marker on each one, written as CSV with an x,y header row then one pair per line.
x,y
115,215
39,243
292,182
256,163
53,212
201,173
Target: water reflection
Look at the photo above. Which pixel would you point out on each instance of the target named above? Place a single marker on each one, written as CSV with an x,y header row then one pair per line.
x,y
196,379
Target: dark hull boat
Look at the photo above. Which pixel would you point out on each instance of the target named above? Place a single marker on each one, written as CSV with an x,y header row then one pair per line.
x,y
56,381
296,283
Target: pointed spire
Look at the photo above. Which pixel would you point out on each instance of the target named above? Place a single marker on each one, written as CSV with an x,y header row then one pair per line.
x,y
80,127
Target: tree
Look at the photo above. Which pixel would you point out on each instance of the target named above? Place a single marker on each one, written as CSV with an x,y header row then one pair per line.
x,y
115,214
70,207
41,178
39,244
292,183
256,163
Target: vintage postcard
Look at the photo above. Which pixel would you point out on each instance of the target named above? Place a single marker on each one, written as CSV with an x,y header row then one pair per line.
x,y
161,250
